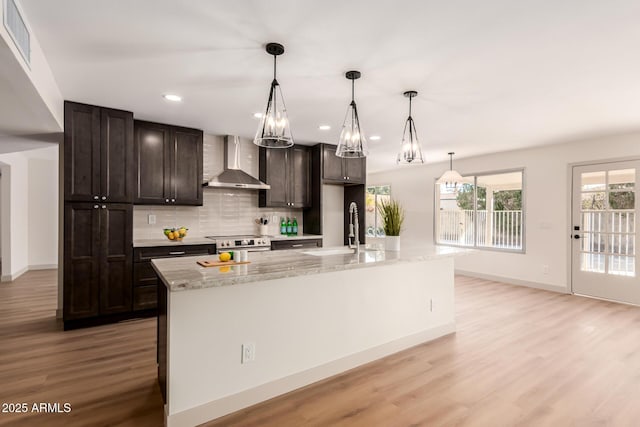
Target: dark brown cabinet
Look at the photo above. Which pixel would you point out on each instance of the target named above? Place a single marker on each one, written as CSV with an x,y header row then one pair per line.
x,y
145,279
98,259
168,163
288,172
342,170
98,150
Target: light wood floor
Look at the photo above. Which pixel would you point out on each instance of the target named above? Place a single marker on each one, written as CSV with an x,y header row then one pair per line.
x,y
520,357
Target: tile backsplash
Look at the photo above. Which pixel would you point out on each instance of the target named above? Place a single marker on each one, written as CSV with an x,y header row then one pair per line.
x,y
224,211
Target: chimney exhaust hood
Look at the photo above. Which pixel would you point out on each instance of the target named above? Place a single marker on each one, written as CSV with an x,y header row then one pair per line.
x,y
233,176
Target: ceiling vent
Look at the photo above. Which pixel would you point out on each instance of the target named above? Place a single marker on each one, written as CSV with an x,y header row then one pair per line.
x,y
15,25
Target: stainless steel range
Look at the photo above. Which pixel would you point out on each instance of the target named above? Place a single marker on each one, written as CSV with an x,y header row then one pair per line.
x,y
249,243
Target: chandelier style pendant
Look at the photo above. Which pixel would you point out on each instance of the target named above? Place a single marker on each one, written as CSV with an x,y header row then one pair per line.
x,y
274,130
352,143
410,151
450,178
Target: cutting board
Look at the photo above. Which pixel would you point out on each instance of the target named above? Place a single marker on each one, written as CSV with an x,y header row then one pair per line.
x,y
206,263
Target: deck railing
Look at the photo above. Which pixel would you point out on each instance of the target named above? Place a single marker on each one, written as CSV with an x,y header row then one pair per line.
x,y
502,230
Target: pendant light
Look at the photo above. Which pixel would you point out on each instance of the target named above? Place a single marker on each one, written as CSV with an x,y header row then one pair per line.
x,y
410,151
274,130
352,141
450,178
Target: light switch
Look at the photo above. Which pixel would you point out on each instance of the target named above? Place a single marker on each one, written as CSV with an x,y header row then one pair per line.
x,y
152,219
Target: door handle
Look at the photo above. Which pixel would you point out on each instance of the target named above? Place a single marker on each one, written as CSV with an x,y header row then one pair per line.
x,y
576,236
177,253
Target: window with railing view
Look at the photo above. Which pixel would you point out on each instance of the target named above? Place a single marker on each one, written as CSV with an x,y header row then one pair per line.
x,y
375,196
484,211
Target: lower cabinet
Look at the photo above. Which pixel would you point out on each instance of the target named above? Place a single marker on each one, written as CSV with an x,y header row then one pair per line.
x,y
295,244
145,279
98,261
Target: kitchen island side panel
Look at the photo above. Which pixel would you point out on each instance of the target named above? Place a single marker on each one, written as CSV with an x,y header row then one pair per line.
x,y
304,329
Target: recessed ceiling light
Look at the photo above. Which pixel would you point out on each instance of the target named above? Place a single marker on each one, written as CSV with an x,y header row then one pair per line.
x,y
257,115
172,97
324,127
374,137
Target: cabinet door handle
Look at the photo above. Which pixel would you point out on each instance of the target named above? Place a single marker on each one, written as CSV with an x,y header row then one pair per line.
x,y
297,246
104,197
166,200
291,203
177,253
95,206
104,206
96,198
173,200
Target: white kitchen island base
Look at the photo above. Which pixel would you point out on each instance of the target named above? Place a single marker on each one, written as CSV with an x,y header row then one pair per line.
x,y
304,328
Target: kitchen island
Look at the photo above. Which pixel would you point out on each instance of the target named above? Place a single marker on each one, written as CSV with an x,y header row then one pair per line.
x,y
233,336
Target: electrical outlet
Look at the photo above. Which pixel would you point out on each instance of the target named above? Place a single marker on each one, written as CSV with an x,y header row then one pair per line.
x,y
248,352
274,219
151,219
545,269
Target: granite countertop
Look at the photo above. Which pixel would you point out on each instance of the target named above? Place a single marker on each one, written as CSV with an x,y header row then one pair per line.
x,y
184,273
201,240
188,240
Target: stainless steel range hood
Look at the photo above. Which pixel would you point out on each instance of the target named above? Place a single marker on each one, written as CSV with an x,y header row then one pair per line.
x,y
233,176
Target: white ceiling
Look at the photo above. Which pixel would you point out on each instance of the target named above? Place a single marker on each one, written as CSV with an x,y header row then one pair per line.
x,y
491,75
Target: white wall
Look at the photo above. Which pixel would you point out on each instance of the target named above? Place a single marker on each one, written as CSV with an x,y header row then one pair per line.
x,y
547,205
15,224
43,208
40,76
29,211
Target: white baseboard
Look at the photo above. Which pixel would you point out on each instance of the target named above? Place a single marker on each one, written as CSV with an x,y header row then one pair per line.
x,y
227,405
512,281
43,267
14,276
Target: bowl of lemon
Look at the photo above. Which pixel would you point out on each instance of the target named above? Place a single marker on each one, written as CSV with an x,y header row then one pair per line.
x,y
176,234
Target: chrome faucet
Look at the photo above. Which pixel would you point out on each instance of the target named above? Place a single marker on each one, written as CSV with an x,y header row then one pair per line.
x,y
354,228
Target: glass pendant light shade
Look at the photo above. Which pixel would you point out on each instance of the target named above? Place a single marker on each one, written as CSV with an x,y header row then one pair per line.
x,y
450,178
410,151
274,130
352,143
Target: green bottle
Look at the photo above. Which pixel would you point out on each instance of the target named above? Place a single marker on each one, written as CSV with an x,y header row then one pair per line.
x,y
289,227
283,226
295,227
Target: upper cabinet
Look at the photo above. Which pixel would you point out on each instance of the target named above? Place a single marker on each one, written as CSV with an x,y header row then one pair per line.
x,y
98,150
169,164
337,170
288,172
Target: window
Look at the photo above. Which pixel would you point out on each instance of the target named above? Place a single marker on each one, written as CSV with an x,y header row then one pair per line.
x,y
375,196
484,211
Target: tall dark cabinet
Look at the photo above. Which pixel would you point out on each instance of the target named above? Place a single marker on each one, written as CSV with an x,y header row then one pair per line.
x,y
98,214
168,161
288,172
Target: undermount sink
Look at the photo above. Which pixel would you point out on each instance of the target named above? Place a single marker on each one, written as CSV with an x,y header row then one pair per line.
x,y
327,252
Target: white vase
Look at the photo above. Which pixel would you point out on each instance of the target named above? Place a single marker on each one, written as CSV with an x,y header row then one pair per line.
x,y
392,243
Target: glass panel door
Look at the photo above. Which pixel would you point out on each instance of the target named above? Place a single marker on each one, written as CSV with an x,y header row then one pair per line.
x,y
604,231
